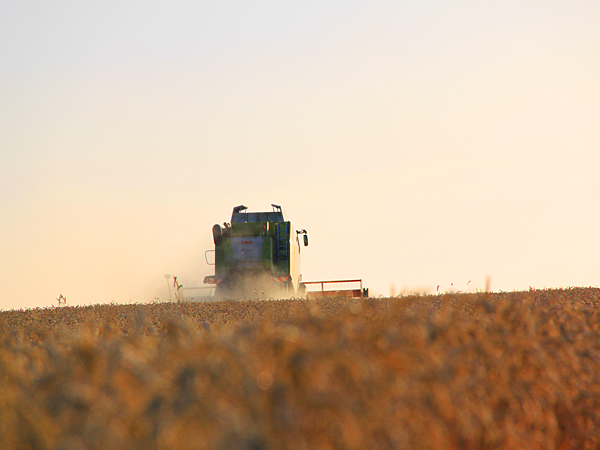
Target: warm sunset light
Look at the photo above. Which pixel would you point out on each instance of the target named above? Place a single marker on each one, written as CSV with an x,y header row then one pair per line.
x,y
425,146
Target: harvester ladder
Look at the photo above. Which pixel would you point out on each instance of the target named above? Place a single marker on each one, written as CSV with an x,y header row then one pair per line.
x,y
282,242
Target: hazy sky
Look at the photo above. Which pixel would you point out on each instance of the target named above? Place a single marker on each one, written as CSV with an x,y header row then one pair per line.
x,y
420,143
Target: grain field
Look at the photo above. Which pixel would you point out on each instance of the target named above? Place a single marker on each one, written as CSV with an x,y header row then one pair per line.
x,y
457,371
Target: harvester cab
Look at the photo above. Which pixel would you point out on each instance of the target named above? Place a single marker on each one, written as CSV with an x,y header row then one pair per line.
x,y
257,254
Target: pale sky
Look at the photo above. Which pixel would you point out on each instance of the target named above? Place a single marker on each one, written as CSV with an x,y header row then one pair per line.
x,y
420,143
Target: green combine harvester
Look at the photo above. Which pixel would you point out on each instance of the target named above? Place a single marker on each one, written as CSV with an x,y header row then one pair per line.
x,y
257,254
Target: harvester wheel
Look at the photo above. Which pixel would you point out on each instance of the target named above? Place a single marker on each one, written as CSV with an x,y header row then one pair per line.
x,y
301,290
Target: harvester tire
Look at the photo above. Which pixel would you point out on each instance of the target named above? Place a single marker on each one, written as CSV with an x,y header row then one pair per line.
x,y
301,290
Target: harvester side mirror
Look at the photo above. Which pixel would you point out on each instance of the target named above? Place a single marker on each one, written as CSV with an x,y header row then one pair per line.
x,y
217,234
305,240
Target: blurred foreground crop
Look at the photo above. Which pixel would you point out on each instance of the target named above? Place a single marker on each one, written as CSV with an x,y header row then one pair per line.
x,y
455,371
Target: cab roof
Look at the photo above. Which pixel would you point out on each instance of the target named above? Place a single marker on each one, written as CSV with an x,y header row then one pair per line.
x,y
241,215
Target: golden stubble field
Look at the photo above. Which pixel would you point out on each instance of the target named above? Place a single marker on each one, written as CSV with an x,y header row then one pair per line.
x,y
455,371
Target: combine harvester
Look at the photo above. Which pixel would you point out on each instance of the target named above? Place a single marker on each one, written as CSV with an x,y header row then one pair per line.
x,y
257,255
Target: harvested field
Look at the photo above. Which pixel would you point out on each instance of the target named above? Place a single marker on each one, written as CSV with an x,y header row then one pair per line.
x,y
455,371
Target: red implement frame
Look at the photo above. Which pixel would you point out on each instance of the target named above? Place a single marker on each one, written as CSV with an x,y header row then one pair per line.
x,y
350,293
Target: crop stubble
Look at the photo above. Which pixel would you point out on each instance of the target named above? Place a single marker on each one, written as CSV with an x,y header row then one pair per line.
x,y
487,370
